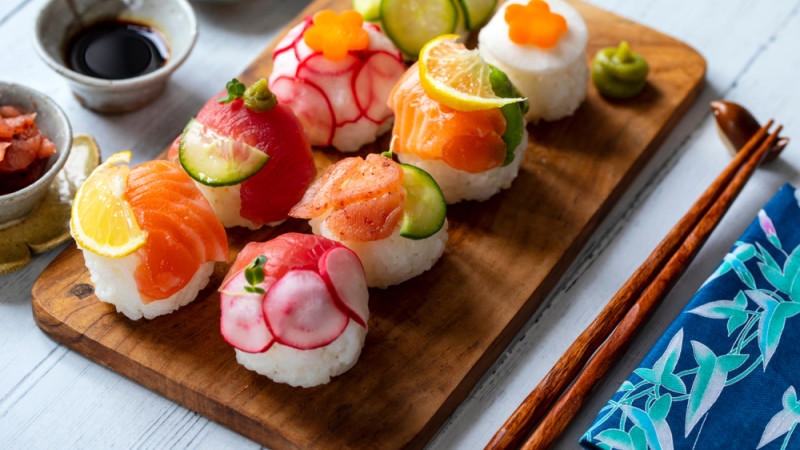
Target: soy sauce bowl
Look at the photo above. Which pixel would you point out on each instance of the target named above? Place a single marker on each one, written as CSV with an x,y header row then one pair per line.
x,y
60,20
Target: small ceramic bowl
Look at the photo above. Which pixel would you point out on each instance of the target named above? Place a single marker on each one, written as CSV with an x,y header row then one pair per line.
x,y
59,20
53,123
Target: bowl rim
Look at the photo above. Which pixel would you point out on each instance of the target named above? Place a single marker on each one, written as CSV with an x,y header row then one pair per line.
x,y
48,176
172,63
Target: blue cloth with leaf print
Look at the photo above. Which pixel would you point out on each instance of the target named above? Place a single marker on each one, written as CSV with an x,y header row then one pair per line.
x,y
726,373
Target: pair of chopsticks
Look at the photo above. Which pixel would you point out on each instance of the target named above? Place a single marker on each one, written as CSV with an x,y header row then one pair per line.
x,y
605,339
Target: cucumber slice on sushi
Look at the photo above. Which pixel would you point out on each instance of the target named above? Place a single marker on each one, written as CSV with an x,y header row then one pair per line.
x,y
369,9
216,160
425,208
410,24
476,12
513,112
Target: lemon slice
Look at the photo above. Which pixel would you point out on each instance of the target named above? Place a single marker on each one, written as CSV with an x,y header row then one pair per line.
x,y
102,219
457,77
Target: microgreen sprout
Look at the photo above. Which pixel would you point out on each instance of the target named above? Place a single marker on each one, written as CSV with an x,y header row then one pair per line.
x,y
254,274
235,90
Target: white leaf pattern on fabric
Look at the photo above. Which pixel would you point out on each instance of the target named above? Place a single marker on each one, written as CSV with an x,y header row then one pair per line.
x,y
784,420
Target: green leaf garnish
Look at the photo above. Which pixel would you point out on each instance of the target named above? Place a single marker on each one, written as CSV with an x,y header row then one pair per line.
x,y
235,90
254,274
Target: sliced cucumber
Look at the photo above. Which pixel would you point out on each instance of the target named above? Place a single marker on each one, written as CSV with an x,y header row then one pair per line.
x,y
410,24
476,12
425,209
370,9
216,160
513,112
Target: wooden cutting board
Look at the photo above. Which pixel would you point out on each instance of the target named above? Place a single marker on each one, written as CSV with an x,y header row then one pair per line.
x,y
431,338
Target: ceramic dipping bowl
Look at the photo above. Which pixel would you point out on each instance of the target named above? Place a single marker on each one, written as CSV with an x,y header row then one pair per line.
x,y
60,20
53,123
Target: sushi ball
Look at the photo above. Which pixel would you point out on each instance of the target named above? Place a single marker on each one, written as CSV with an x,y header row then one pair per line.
x,y
550,70
295,309
248,155
337,87
391,215
472,155
179,237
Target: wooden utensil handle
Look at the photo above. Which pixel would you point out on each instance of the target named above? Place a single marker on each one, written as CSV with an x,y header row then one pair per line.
x,y
601,362
539,401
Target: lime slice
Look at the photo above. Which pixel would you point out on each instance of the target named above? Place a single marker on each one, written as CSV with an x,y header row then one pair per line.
x,y
369,9
102,220
425,208
457,77
412,23
216,160
477,12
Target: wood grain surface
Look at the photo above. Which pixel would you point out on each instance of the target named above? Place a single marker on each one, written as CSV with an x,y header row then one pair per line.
x,y
433,337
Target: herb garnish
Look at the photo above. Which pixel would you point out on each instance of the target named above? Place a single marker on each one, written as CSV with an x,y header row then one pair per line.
x,y
235,90
254,274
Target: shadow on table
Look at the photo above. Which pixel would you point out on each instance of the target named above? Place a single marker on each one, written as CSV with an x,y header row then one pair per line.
x,y
249,16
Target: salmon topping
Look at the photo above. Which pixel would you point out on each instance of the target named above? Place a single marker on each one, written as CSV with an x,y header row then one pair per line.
x,y
364,198
471,141
182,230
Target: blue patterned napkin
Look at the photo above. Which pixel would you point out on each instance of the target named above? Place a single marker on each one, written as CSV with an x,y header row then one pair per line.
x,y
726,373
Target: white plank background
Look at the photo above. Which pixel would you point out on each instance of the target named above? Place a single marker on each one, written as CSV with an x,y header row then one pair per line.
x,y
51,397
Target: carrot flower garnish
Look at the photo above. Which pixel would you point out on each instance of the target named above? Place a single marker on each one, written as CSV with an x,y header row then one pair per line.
x,y
534,24
337,34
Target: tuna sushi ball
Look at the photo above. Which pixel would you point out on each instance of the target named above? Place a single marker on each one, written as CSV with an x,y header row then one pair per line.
x,y
541,46
248,154
295,308
336,72
148,236
391,215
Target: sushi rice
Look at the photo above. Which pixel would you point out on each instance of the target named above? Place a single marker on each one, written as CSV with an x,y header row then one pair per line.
x,y
307,368
458,185
114,283
554,80
227,204
394,259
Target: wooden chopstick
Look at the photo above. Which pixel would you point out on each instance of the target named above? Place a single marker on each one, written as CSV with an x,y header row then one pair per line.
x,y
530,411
601,362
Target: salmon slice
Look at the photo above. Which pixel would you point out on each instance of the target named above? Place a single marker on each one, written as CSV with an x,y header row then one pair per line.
x,y
471,141
182,230
364,198
26,145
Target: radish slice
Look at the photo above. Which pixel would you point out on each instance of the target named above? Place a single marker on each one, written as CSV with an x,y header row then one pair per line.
x,y
310,105
335,79
343,273
301,312
318,64
242,321
374,82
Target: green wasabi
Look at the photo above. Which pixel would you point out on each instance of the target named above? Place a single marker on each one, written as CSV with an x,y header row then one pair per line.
x,y
619,72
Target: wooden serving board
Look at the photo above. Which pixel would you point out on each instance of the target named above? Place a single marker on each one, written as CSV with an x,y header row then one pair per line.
x,y
431,338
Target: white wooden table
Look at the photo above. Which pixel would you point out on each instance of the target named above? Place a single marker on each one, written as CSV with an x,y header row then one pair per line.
x,y
51,397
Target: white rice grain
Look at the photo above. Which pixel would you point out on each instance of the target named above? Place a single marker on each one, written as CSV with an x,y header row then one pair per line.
x,y
114,283
307,368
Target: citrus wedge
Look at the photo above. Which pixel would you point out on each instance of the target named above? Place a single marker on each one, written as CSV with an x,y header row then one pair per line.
x,y
102,220
457,77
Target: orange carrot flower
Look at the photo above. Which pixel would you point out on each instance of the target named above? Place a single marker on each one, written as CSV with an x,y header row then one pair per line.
x,y
336,34
534,24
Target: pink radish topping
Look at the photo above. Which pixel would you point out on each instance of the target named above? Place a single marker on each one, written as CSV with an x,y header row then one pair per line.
x,y
301,312
242,322
355,89
373,84
310,104
343,273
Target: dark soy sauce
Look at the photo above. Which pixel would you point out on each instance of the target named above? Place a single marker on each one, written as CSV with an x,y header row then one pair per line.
x,y
116,49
